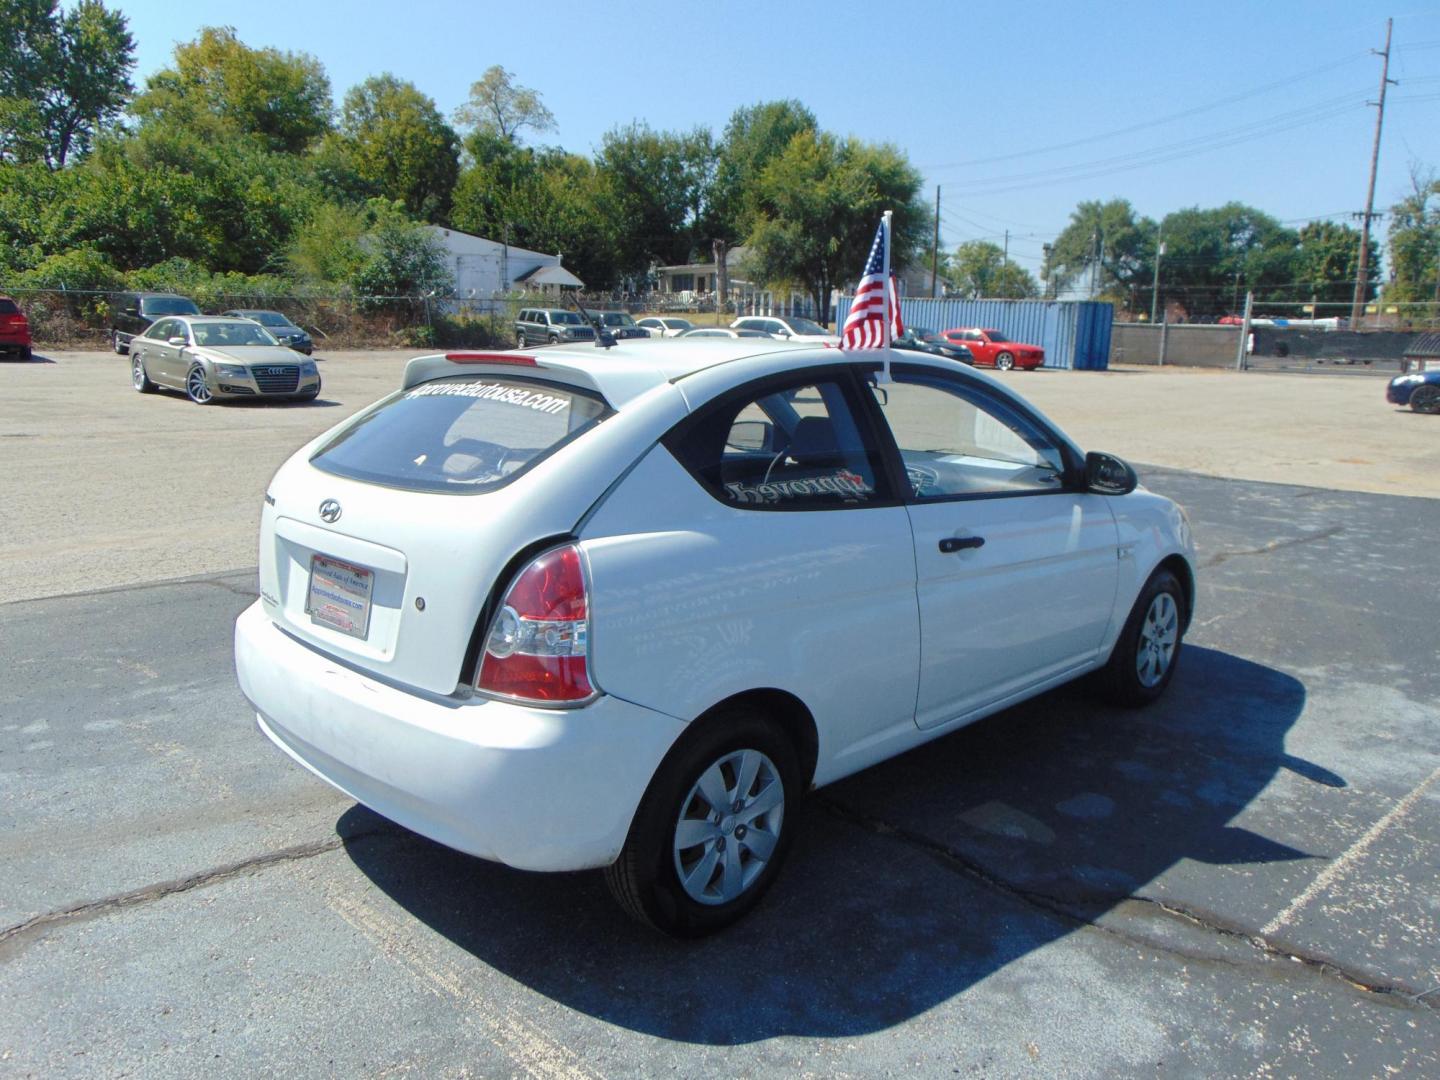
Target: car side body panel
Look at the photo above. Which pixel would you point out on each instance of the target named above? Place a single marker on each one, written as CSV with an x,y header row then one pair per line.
x,y
741,600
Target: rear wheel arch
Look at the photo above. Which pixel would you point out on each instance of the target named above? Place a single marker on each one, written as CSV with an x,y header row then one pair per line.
x,y
782,708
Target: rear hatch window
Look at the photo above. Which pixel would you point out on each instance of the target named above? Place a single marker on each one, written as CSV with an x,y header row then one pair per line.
x,y
462,434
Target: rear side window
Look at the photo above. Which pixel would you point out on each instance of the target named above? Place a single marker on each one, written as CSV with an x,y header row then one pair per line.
x,y
168,305
7,307
462,434
795,446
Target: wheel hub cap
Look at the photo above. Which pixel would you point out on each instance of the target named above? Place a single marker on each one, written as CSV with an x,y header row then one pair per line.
x,y
729,826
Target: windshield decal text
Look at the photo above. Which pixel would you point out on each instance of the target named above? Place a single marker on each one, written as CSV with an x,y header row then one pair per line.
x,y
509,395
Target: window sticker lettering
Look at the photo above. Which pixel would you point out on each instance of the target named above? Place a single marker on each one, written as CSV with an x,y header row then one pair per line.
x,y
508,395
846,484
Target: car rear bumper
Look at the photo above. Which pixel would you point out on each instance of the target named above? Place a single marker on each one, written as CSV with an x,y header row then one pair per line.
x,y
537,789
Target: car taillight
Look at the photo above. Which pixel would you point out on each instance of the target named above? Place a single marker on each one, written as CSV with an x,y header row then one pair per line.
x,y
536,648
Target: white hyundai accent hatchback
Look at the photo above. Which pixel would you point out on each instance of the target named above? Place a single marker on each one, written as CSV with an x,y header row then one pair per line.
x,y
622,608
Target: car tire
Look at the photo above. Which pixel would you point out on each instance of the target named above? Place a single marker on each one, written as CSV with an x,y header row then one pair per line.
x,y
554,339
1148,649
120,347
1004,361
27,354
520,339
1425,399
138,379
727,873
196,388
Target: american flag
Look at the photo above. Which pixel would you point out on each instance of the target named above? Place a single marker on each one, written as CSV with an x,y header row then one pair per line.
x,y
875,299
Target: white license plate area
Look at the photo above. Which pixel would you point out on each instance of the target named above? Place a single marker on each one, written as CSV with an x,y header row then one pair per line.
x,y
340,595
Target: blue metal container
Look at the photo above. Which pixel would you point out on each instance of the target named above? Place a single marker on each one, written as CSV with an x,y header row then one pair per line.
x,y
1074,333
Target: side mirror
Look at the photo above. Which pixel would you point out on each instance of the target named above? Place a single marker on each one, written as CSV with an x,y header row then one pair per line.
x,y
130,311
752,436
1106,474
179,341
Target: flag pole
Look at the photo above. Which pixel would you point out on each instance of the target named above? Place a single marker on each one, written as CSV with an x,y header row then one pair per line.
x,y
885,370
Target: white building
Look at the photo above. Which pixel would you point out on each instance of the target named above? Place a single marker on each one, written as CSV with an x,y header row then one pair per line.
x,y
486,269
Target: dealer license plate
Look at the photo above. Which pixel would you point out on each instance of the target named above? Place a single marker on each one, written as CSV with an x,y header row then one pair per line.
x,y
339,595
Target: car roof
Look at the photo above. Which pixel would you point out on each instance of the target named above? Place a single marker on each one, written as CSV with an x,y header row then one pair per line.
x,y
629,370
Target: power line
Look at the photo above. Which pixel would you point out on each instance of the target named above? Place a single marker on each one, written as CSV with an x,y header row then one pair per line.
x,y
1323,69
1262,128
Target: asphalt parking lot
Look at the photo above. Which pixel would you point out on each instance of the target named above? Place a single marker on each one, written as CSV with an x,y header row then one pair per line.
x,y
1242,880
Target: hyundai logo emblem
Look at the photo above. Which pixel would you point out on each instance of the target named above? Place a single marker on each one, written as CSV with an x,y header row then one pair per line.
x,y
330,511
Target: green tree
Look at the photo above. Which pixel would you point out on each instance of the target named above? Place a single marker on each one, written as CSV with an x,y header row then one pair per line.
x,y
64,77
1415,242
1326,262
979,268
403,265
398,143
282,97
817,206
1106,244
1212,257
755,136
548,201
500,108
658,183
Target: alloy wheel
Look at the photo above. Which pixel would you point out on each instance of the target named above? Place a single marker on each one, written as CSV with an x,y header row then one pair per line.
x,y
1159,633
197,388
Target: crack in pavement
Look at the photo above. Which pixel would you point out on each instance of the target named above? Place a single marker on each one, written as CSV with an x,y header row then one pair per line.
x,y
159,891
1274,545
1056,907
214,580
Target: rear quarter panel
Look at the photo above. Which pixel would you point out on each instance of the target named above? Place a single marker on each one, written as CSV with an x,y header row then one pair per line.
x,y
694,601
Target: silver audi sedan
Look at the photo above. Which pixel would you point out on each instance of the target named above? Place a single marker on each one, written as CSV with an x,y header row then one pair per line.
x,y
214,358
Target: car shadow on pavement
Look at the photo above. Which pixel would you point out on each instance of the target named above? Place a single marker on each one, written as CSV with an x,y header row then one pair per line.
x,y
909,882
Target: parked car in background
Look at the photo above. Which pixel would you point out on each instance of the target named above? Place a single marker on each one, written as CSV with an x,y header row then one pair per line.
x,y
656,326
280,327
623,608
990,348
15,340
132,313
787,328
721,332
620,324
211,358
550,326
918,339
1420,390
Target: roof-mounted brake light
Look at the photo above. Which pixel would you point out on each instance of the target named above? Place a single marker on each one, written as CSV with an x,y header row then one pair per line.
x,y
491,358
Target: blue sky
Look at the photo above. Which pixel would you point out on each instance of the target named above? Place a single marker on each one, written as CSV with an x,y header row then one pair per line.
x,y
1018,110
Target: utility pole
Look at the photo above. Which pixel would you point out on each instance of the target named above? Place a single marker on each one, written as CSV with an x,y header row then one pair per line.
x,y
1362,273
1049,250
1244,332
1155,288
935,249
1005,257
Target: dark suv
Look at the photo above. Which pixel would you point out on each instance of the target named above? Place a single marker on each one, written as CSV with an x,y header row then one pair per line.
x,y
132,313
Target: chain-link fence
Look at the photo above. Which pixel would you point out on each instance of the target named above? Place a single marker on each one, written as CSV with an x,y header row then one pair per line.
x,y
82,318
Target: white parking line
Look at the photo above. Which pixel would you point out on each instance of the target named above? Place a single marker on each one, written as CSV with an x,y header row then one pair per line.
x,y
1350,855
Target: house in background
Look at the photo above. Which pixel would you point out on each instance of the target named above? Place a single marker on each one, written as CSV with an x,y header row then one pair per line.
x,y
488,269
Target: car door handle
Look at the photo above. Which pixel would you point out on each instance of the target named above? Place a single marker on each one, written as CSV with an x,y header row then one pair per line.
x,y
960,543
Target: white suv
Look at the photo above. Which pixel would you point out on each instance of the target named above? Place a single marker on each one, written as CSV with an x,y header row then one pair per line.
x,y
623,608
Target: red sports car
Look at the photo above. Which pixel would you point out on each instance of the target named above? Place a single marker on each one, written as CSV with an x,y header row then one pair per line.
x,y
14,330
993,349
